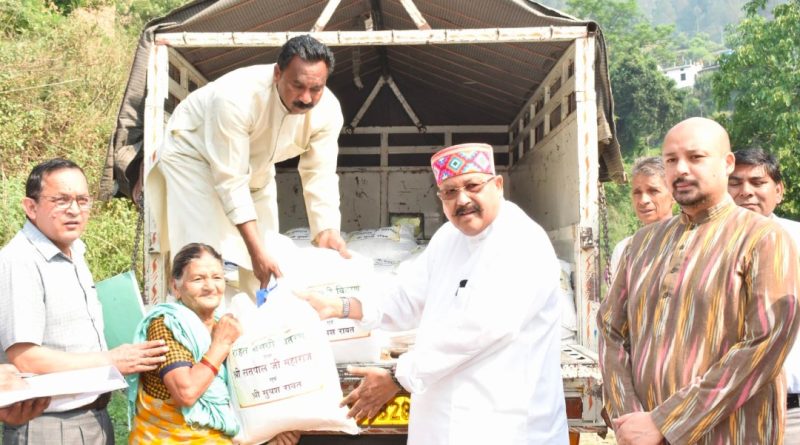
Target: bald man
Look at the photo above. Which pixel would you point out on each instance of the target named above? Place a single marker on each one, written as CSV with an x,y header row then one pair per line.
x,y
702,312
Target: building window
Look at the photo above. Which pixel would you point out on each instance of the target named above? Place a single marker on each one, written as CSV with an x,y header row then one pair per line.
x,y
683,76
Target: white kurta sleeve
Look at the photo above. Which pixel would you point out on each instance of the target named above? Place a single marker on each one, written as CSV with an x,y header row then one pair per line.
x,y
398,308
227,148
514,280
317,168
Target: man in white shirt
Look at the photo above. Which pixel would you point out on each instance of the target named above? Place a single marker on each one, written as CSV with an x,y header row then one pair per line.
x,y
485,367
214,178
51,319
757,184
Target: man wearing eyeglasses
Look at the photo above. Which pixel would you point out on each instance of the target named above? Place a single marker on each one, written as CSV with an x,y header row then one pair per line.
x,y
51,319
485,367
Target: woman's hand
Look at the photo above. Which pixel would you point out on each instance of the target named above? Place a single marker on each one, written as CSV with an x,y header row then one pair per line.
x,y
226,331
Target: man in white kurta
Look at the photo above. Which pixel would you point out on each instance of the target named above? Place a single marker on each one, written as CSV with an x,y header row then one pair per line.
x,y
757,184
216,169
485,367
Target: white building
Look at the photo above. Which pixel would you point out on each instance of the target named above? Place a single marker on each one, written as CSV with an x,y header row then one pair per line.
x,y
683,75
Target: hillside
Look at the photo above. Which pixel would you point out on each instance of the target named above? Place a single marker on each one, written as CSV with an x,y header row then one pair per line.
x,y
688,16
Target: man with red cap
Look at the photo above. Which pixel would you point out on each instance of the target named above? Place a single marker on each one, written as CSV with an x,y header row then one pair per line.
x,y
485,367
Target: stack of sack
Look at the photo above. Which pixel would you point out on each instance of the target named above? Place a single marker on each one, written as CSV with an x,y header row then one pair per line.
x,y
301,236
387,246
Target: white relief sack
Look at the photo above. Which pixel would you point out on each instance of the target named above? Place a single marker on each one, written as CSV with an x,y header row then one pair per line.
x,y
281,371
349,341
301,236
387,246
325,271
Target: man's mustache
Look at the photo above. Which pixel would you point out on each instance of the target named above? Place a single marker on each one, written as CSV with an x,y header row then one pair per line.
x,y
463,210
303,106
681,181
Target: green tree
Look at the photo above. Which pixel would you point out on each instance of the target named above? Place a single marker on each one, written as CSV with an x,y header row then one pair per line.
x,y
699,100
647,103
760,80
697,48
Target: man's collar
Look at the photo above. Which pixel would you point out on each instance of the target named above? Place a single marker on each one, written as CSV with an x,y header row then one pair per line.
x,y
42,243
717,210
281,106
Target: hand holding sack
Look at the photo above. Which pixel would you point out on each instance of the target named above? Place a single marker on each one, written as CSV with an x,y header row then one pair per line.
x,y
282,372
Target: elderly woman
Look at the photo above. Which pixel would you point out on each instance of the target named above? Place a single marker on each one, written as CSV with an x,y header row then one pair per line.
x,y
186,399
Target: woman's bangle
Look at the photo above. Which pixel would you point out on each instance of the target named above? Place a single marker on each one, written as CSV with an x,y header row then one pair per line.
x,y
204,360
345,307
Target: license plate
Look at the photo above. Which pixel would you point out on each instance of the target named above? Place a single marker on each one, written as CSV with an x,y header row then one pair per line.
x,y
394,413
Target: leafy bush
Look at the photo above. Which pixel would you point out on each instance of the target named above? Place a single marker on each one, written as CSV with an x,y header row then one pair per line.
x,y
12,189
139,12
18,17
109,238
60,88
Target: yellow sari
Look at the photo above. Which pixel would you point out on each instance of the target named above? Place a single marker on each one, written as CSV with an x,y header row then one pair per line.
x,y
160,421
156,417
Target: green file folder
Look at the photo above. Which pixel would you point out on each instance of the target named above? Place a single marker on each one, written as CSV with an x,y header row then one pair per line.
x,y
122,307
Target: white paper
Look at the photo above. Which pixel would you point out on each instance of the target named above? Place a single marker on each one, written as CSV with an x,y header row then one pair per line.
x,y
69,389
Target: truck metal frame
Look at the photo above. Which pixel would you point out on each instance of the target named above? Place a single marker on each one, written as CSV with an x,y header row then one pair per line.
x,y
550,160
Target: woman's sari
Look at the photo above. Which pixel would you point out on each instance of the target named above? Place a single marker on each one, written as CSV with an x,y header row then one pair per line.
x,y
209,417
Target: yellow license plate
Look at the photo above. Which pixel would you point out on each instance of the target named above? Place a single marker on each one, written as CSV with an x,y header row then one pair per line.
x,y
394,413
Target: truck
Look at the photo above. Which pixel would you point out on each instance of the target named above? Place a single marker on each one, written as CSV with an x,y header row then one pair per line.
x,y
412,76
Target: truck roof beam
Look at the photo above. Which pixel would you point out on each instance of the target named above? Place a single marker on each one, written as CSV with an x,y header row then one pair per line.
x,y
385,80
379,37
415,15
325,16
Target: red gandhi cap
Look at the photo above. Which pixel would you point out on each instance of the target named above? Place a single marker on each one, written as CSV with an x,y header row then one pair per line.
x,y
461,159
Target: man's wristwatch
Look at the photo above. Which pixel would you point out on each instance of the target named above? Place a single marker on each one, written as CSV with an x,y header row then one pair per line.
x,y
345,307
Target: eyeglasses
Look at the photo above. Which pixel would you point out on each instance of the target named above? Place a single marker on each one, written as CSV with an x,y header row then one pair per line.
x,y
472,188
63,202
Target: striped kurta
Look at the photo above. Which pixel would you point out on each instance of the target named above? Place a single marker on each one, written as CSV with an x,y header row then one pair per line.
x,y
697,325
